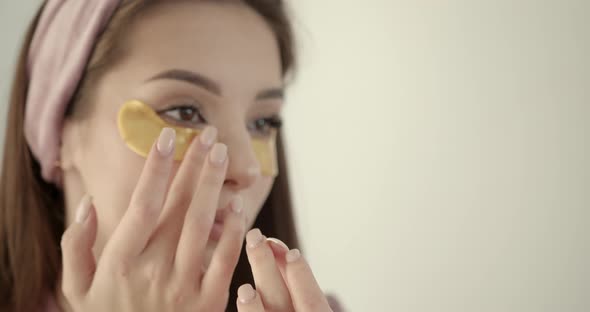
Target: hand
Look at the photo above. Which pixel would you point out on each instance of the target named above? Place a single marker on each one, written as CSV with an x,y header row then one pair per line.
x,y
154,259
283,278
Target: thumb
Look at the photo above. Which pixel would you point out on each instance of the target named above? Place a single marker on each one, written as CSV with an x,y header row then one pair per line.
x,y
76,244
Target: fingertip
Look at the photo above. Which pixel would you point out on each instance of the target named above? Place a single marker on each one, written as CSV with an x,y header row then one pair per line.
x,y
237,215
78,260
279,249
246,294
254,238
208,137
69,235
218,154
237,205
305,291
80,236
165,143
91,225
83,209
293,255
249,299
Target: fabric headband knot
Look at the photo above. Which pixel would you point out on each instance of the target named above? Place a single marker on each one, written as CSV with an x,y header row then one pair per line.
x,y
62,44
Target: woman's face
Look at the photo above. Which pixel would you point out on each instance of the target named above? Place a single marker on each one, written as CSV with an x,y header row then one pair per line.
x,y
219,60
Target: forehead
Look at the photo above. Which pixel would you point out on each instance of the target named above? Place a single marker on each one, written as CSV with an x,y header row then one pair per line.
x,y
227,42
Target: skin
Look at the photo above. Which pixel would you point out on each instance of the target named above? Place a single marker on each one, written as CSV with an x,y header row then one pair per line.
x,y
142,243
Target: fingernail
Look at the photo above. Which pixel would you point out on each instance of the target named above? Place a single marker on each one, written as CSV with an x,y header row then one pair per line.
x,y
278,243
83,209
208,137
254,238
165,143
292,255
218,154
237,205
246,293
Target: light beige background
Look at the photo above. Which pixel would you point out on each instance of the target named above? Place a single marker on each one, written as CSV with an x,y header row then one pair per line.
x,y
439,151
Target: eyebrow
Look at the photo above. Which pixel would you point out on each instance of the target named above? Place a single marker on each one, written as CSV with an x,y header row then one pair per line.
x,y
210,85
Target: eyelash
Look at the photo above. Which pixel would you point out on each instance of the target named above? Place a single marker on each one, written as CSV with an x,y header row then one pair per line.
x,y
178,119
259,127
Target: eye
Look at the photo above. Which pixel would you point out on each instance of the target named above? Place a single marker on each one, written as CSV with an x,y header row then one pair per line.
x,y
264,126
186,114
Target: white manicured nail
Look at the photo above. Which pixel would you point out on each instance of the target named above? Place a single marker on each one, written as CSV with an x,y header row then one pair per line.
x,y
83,209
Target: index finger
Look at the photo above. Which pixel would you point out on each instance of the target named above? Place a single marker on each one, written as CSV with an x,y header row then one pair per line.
x,y
200,215
305,291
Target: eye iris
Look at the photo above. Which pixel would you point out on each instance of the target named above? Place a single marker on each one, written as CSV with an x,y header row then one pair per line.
x,y
261,124
187,114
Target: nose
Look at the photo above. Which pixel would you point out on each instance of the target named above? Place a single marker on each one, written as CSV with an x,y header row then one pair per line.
x,y
243,167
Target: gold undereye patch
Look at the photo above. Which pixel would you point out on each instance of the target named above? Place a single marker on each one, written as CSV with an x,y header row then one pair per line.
x,y
139,126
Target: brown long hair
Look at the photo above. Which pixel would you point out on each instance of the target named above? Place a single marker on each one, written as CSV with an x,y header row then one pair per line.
x,y
32,211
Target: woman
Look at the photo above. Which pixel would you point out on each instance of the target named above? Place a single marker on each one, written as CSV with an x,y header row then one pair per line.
x,y
92,221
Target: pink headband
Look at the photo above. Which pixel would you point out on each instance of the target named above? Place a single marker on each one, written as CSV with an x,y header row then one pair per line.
x,y
61,47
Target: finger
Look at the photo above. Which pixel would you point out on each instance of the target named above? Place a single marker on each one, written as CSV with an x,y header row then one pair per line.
x,y
225,257
183,187
249,300
78,261
269,281
279,249
164,240
140,219
201,215
305,291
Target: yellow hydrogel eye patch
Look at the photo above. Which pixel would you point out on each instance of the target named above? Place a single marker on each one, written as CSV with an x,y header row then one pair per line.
x,y
139,127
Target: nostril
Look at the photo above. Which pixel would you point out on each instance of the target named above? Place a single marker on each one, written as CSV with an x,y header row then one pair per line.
x,y
230,182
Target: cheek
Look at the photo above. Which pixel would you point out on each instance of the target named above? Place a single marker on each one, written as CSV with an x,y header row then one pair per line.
x,y
110,172
255,197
